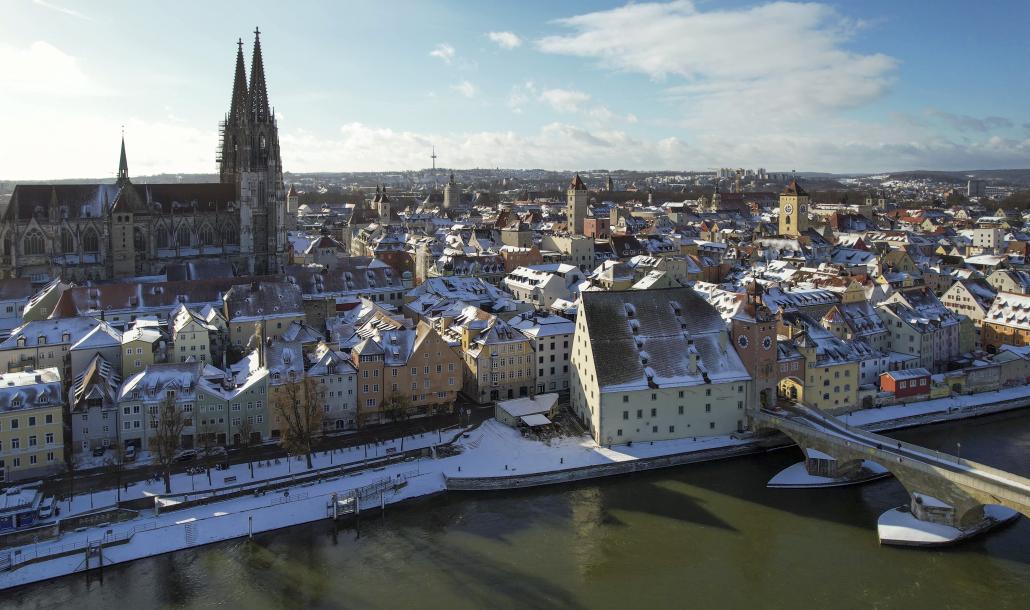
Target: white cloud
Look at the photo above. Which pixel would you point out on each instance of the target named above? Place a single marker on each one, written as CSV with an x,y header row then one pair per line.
x,y
564,100
786,60
443,51
45,69
360,147
520,95
466,89
89,147
506,40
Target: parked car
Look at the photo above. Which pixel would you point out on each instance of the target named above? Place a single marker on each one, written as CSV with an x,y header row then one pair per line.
x,y
186,456
129,455
99,451
215,452
46,508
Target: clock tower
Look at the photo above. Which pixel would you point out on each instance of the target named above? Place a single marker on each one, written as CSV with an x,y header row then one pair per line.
x,y
793,210
753,329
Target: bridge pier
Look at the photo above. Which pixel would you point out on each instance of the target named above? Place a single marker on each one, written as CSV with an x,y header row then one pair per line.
x,y
950,500
821,469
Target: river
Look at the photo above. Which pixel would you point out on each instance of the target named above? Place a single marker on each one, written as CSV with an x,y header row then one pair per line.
x,y
701,536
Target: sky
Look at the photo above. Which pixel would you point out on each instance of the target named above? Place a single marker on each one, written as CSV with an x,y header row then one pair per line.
x,y
357,86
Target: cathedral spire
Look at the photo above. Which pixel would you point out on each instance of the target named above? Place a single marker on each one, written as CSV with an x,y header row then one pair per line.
x,y
238,105
258,92
123,166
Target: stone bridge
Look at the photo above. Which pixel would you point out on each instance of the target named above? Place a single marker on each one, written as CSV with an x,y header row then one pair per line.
x,y
945,489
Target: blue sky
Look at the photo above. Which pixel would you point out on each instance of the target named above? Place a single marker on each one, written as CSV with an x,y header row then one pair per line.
x,y
843,86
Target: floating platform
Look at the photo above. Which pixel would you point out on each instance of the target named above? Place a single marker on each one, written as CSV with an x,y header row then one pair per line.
x,y
797,477
900,527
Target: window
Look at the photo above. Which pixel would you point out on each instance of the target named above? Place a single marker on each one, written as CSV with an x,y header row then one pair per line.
x,y
640,414
625,415
672,429
625,398
654,412
34,243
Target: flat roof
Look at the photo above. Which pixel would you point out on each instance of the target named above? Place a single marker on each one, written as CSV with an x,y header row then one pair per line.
x,y
529,405
535,420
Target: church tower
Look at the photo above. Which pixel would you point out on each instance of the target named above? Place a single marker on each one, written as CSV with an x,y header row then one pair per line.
x,y
576,205
250,159
793,210
123,167
122,221
753,329
451,194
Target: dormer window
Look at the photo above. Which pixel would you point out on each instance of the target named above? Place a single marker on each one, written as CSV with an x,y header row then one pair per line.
x,y
41,340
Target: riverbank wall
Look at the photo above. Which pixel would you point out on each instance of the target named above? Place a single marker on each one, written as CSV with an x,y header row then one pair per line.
x,y
249,515
758,444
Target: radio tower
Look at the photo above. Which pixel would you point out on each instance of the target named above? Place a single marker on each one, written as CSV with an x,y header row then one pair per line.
x,y
433,157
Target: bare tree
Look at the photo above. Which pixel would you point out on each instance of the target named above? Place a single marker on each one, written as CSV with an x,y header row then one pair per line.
x,y
396,406
300,415
116,463
167,422
246,431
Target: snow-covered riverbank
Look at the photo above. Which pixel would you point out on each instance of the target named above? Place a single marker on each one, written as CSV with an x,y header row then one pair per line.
x,y
491,450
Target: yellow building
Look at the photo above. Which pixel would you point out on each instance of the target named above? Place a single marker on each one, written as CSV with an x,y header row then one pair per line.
x,y
499,360
139,349
31,424
191,337
793,210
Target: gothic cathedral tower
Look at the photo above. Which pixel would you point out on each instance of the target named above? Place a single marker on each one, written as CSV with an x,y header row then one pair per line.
x,y
793,210
250,159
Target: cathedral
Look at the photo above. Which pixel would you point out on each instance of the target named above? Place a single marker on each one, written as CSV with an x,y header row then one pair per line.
x,y
108,231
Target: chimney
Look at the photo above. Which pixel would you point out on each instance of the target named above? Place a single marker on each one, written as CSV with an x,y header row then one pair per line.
x,y
692,356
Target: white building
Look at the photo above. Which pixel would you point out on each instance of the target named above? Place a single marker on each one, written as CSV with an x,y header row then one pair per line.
x,y
655,365
552,339
542,285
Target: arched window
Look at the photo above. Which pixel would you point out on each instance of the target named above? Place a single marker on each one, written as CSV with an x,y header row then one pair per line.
x,y
7,245
139,242
90,241
182,237
207,236
161,233
34,243
67,241
230,236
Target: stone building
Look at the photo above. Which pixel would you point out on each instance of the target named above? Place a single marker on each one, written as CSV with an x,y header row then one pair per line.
x,y
103,231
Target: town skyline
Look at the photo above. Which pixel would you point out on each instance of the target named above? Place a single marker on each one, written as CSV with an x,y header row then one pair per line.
x,y
817,87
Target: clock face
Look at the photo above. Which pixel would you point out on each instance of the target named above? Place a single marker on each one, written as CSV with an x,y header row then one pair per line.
x,y
767,342
789,209
742,341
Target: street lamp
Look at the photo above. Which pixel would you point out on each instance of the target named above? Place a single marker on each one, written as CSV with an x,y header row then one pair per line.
x,y
959,456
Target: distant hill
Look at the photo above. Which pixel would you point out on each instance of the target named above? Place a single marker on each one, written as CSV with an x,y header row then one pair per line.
x,y
1015,177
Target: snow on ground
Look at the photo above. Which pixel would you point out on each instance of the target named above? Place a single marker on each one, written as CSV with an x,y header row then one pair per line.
x,y
796,475
494,449
185,483
170,531
938,405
